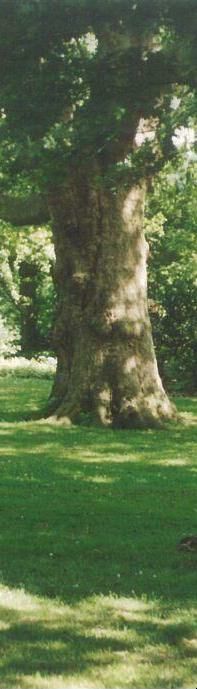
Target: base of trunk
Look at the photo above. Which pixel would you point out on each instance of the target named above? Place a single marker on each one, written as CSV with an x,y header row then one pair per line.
x,y
146,412
150,411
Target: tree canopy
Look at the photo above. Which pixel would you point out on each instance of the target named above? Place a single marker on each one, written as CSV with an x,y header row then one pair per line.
x,y
77,77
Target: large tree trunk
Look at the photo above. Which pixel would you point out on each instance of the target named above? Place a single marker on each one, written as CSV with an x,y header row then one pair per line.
x,y
107,367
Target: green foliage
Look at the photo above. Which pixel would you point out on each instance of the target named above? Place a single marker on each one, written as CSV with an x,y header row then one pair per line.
x,y
43,366
171,231
76,77
26,287
9,339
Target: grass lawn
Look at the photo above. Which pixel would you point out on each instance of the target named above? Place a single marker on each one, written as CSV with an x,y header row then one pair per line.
x,y
94,593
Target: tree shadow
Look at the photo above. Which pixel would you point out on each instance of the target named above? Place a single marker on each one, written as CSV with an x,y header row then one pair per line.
x,y
93,515
77,642
87,511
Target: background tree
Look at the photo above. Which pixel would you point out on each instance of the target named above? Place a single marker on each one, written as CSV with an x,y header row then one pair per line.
x,y
86,94
27,299
171,218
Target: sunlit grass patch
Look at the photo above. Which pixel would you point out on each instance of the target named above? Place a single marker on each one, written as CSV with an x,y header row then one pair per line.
x,y
99,641
22,397
94,592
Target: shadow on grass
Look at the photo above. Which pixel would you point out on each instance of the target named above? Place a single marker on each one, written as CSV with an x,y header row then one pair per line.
x,y
103,641
88,511
92,518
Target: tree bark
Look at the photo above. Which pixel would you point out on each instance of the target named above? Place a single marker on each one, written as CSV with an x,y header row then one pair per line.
x,y
107,367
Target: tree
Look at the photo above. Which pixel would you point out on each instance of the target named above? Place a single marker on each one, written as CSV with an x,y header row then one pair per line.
x,y
26,288
171,217
86,92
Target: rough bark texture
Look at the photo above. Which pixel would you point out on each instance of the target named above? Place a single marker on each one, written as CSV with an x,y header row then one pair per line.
x,y
106,361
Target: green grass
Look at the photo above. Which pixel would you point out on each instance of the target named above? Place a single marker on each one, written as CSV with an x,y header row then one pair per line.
x,y
94,593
